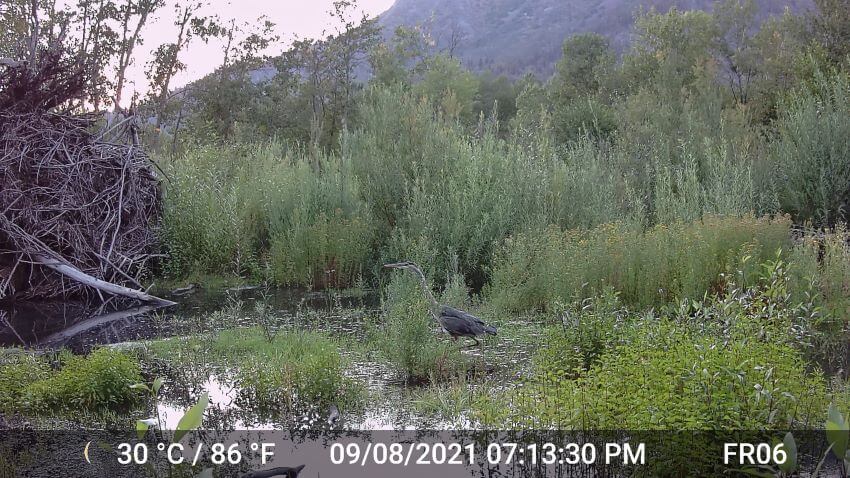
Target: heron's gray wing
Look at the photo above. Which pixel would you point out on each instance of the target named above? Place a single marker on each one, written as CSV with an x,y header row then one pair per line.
x,y
461,326
452,312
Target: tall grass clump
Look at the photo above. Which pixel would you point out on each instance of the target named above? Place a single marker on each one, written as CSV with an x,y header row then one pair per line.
x,y
265,210
536,270
289,371
207,225
410,338
583,186
320,232
812,152
715,184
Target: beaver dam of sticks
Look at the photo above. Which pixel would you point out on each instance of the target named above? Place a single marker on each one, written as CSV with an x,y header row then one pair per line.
x,y
79,208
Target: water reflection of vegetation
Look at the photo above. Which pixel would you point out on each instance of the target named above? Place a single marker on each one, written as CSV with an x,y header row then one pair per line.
x,y
286,372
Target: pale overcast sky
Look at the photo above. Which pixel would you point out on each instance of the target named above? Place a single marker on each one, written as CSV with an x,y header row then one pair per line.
x,y
293,18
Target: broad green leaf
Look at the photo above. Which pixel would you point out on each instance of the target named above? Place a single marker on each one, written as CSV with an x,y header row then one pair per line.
x,y
192,418
790,447
157,384
140,386
141,428
837,433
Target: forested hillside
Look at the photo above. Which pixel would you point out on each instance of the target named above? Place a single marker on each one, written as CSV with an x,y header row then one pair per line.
x,y
517,36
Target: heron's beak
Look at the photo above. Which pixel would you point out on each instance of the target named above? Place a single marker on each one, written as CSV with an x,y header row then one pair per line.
x,y
394,265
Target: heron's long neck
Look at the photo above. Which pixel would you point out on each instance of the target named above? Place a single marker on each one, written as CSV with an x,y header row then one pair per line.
x,y
434,305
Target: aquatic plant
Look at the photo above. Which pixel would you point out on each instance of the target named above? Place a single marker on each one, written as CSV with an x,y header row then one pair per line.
x,y
97,381
411,339
292,371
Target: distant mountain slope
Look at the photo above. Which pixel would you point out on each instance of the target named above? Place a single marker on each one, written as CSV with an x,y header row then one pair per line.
x,y
513,36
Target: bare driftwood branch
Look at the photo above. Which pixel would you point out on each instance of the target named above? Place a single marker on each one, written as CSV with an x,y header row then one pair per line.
x,y
108,287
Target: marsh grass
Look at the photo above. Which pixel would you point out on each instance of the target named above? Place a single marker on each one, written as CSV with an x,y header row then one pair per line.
x,y
409,338
450,402
290,371
646,268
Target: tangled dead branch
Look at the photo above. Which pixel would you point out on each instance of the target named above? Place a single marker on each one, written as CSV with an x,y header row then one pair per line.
x,y
78,212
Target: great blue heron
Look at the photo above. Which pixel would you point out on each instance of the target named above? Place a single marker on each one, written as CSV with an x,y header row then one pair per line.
x,y
455,322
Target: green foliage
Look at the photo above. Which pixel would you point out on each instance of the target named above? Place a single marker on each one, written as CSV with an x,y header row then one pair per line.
x,y
294,369
449,86
496,99
410,338
812,151
586,329
434,193
724,363
535,271
450,401
19,370
265,211
581,74
99,381
584,117
585,66
820,266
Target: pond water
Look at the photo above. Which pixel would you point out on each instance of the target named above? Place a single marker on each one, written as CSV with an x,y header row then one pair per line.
x,y
78,327
73,326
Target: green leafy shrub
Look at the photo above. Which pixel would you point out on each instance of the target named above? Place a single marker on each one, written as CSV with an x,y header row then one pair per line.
x,y
98,381
585,117
726,362
19,370
586,329
653,267
411,339
812,151
670,379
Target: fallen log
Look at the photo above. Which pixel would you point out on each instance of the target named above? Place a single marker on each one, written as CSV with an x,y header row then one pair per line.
x,y
95,283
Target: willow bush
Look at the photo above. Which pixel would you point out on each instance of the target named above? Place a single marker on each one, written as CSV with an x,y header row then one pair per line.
x,y
409,182
812,153
536,270
266,210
